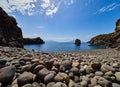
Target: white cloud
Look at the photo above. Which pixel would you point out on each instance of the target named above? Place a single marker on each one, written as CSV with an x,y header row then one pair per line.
x,y
45,4
29,7
50,12
110,7
51,7
40,27
23,6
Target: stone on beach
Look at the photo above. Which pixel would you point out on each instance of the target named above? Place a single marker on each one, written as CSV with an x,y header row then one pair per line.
x,y
72,69
42,73
67,64
96,65
117,75
48,78
59,84
25,78
7,74
106,68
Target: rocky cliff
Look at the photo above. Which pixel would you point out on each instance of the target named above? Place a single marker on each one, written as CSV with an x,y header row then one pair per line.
x,y
37,40
10,33
111,40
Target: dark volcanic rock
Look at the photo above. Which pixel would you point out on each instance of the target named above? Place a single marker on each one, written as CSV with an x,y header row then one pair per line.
x,y
37,40
10,33
77,41
25,78
111,40
7,74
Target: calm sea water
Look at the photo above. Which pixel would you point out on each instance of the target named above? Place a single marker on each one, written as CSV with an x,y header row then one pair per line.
x,y
60,47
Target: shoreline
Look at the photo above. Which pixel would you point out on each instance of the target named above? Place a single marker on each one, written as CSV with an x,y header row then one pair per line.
x,y
88,68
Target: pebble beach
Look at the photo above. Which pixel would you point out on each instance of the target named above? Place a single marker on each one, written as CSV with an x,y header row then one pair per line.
x,y
90,68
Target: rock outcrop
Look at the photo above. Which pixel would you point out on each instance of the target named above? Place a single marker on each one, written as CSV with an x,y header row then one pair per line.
x,y
111,40
37,40
77,41
10,33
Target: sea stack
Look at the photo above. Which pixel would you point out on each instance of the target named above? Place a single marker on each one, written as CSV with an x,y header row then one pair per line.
x,y
10,33
78,42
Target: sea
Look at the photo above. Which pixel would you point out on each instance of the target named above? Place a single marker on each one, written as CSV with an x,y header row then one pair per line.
x,y
60,47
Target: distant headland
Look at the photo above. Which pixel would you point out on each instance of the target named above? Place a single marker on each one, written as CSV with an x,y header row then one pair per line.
x,y
37,40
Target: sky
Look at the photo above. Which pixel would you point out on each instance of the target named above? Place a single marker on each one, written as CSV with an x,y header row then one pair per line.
x,y
64,20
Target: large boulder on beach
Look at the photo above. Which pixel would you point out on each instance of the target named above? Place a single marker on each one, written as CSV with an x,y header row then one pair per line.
x,y
59,84
36,40
7,74
111,40
10,33
117,75
26,77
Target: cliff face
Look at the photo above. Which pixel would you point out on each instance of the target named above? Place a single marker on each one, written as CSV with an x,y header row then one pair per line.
x,y
117,29
10,33
37,40
108,40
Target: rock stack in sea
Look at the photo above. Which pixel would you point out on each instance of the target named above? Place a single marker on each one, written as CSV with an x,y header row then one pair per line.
x,y
23,68
77,42
10,33
111,40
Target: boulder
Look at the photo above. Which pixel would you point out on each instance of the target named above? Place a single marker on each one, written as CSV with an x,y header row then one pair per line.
x,y
49,78
77,41
26,77
42,73
117,75
67,64
7,74
59,84
37,40
10,33
106,68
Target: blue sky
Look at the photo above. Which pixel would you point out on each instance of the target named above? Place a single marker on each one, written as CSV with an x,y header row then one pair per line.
x,y
64,20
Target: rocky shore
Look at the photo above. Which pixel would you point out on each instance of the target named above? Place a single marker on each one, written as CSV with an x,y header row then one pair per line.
x,y
93,68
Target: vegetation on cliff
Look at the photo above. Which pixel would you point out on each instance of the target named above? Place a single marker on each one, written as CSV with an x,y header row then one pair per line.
x,y
111,40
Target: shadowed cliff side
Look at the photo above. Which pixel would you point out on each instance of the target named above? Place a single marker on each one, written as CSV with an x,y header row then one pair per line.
x,y
111,40
10,33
